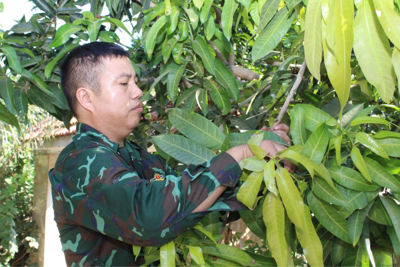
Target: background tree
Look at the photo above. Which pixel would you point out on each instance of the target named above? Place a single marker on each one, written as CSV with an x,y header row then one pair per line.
x,y
214,71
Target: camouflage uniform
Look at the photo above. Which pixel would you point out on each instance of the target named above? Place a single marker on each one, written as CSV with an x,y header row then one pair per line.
x,y
107,198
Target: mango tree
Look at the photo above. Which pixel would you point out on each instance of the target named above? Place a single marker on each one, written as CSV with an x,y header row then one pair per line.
x,y
213,73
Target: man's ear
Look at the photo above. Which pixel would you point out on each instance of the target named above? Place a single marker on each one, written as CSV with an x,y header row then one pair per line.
x,y
84,97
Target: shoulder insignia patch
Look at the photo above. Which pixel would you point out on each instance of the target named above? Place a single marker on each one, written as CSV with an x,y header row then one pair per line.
x,y
157,177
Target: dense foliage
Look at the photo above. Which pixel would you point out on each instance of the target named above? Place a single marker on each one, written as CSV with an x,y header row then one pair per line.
x,y
213,72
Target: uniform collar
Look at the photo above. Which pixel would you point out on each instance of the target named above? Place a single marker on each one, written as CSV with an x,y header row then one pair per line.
x,y
85,134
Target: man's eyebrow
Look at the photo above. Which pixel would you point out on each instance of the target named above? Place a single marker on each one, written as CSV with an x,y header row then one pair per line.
x,y
123,75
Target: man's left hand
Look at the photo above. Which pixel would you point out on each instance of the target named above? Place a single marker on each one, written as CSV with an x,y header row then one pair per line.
x,y
280,129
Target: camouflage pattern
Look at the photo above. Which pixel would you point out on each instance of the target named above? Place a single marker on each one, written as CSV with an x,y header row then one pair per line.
x,y
107,198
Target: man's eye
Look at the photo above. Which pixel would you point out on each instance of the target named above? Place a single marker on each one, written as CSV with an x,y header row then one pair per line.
x,y
124,84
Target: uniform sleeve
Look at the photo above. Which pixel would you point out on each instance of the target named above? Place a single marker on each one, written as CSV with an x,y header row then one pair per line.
x,y
95,189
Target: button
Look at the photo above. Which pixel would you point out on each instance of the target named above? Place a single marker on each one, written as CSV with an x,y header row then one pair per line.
x,y
115,181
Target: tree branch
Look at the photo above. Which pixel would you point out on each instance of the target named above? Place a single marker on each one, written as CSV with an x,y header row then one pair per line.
x,y
218,12
218,53
243,73
231,57
292,92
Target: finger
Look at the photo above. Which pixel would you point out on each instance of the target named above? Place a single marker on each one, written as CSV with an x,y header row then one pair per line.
x,y
289,166
282,127
283,135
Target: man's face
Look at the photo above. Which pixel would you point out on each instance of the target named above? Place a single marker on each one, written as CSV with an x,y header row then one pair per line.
x,y
118,106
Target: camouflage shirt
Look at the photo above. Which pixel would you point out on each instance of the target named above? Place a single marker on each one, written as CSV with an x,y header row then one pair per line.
x,y
107,198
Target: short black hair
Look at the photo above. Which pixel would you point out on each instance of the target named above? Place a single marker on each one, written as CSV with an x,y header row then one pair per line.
x,y
82,67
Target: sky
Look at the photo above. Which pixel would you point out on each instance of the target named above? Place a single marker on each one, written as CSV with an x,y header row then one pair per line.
x,y
15,9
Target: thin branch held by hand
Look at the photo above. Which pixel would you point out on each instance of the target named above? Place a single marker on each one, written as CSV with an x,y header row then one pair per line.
x,y
292,92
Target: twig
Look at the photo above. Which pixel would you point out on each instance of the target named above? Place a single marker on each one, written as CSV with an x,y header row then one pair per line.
x,y
292,92
218,53
251,97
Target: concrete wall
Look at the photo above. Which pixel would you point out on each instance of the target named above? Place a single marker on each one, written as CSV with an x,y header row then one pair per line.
x,y
49,253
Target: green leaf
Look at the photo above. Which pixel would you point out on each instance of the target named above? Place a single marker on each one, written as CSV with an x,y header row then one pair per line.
x,y
309,240
368,119
314,116
197,127
378,213
249,190
159,78
136,250
152,35
167,254
369,142
7,93
297,125
338,250
58,98
253,164
40,99
245,3
396,61
118,23
174,77
167,47
173,19
205,11
372,48
315,146
381,176
226,79
383,258
268,11
93,29
191,102
177,52
269,177
344,36
197,254
64,33
338,148
209,29
200,228
254,222
35,79
389,20
183,149
329,217
274,219
23,28
193,14
200,48
50,66
186,94
21,101
324,191
218,95
395,241
352,179
46,7
359,162
386,134
313,38
229,253
227,16
202,100
183,30
291,198
355,200
356,256
226,44
272,34
12,57
7,117
356,223
391,146
393,210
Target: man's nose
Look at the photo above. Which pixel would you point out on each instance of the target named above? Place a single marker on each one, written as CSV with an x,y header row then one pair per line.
x,y
137,92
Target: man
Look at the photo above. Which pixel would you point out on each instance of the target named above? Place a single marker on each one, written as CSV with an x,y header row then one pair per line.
x,y
109,193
